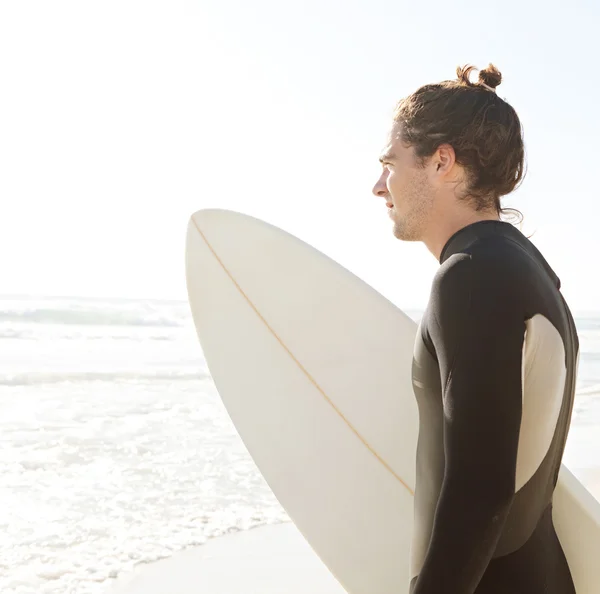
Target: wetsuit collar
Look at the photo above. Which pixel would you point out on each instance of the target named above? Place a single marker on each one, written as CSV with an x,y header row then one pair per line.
x,y
469,234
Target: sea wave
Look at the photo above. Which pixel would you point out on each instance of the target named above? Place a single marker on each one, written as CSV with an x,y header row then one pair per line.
x,y
94,317
11,333
38,378
584,323
589,390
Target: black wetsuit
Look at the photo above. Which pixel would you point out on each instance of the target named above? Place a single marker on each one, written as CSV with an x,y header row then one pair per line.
x,y
494,376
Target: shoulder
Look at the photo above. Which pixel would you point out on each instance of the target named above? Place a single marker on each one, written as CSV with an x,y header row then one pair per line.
x,y
492,263
478,295
492,275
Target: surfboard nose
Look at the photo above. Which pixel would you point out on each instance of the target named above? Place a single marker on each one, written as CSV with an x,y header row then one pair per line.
x,y
217,217
208,213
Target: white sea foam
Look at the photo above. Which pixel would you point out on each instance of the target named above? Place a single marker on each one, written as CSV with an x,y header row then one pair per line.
x,y
100,476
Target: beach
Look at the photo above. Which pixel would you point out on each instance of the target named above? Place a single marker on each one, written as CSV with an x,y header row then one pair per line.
x,y
118,453
264,560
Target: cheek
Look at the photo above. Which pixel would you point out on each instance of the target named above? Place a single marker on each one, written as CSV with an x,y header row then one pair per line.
x,y
394,183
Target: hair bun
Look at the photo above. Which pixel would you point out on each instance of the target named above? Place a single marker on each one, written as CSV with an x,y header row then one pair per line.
x,y
490,76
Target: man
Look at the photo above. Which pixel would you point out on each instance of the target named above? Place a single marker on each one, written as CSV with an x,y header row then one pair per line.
x,y
496,353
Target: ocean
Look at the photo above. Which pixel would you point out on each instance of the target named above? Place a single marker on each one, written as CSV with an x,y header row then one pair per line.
x,y
116,449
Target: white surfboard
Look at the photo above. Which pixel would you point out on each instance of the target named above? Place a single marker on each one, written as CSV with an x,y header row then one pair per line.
x,y
314,368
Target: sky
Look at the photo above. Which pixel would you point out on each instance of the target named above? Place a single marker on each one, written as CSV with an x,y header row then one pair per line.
x,y
119,119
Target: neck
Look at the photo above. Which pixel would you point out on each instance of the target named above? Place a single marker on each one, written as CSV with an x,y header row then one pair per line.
x,y
445,226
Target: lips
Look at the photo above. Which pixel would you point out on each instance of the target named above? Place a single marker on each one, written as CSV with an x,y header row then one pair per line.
x,y
389,205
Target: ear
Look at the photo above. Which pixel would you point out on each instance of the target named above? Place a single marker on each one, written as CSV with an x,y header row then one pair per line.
x,y
444,159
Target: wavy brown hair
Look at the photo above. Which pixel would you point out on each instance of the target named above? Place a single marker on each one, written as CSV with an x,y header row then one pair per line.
x,y
483,129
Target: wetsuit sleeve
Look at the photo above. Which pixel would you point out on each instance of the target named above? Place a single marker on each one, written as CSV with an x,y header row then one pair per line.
x,y
477,332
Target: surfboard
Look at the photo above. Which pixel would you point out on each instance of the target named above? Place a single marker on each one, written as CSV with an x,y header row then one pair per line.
x,y
314,368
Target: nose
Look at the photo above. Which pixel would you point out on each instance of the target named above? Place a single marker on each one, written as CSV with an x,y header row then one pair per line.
x,y
380,188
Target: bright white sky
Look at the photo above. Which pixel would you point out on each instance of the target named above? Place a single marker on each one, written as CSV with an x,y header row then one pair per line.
x,y
119,118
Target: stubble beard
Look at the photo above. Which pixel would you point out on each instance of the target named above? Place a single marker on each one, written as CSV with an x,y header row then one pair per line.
x,y
405,232
417,203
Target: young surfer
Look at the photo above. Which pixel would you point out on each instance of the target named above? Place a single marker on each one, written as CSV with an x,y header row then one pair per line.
x,y
496,353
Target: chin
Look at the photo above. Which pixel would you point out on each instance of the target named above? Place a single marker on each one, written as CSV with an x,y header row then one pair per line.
x,y
405,233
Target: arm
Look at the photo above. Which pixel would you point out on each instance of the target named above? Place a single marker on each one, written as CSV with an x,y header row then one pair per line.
x,y
478,338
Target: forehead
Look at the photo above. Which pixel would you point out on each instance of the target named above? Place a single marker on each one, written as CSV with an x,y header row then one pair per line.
x,y
394,147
